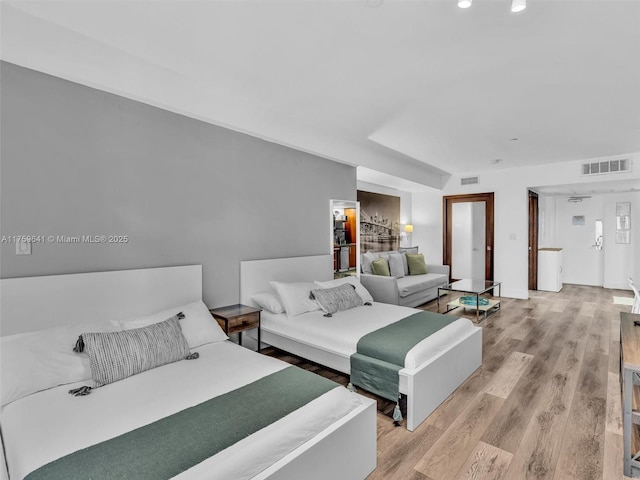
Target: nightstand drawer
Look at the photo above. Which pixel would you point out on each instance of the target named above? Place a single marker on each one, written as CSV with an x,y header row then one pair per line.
x,y
237,318
242,322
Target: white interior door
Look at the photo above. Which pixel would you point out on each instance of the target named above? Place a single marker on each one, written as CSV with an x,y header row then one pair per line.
x,y
576,224
468,240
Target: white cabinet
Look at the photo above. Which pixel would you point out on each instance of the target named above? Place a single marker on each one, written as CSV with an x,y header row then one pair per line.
x,y
550,269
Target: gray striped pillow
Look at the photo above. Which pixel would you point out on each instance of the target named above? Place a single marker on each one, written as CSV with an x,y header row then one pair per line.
x,y
117,355
336,299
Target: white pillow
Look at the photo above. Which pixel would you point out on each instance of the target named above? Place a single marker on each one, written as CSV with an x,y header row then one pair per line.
x,y
396,264
353,280
198,327
268,301
366,260
405,264
295,297
36,361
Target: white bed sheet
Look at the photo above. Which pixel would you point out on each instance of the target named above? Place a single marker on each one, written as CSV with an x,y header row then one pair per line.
x,y
47,425
340,333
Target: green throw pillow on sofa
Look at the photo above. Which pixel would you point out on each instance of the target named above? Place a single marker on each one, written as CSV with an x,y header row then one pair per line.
x,y
380,267
417,265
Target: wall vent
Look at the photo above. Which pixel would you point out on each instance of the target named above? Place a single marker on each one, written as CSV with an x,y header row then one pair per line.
x,y
469,181
606,167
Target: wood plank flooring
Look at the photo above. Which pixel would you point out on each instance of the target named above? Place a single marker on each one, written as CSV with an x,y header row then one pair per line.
x,y
544,405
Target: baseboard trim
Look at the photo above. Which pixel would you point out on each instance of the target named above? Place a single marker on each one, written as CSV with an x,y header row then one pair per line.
x,y
618,286
519,294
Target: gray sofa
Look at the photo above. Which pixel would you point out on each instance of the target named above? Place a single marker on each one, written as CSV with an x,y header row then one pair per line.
x,y
402,289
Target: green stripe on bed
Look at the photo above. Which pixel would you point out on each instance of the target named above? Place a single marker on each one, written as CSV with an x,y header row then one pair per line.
x,y
171,445
380,354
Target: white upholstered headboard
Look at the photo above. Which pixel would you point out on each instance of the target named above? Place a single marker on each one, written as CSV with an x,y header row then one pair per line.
x,y
34,303
255,275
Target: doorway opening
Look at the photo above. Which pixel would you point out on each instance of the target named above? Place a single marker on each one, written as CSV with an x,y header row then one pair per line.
x,y
345,237
468,235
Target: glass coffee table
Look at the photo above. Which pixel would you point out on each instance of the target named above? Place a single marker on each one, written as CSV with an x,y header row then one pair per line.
x,y
476,301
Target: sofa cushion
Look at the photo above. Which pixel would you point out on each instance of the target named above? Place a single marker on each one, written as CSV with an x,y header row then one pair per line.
x,y
380,266
416,283
417,265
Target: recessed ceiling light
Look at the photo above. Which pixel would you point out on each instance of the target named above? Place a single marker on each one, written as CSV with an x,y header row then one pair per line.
x,y
464,3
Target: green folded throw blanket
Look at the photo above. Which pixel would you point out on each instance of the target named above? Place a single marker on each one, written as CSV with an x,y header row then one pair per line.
x,y
171,445
380,355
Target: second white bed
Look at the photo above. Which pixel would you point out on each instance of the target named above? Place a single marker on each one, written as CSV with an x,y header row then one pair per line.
x,y
340,333
433,369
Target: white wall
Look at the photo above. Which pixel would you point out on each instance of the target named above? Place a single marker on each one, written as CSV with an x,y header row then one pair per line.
x,y
511,215
78,161
427,224
621,261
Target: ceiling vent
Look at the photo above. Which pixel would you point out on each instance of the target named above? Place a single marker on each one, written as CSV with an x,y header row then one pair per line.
x,y
606,167
577,198
469,181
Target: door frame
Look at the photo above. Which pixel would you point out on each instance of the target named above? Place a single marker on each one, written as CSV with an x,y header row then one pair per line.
x,y
447,222
533,240
354,204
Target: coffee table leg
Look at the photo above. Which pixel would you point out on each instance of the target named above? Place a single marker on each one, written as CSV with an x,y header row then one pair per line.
x,y
438,299
477,307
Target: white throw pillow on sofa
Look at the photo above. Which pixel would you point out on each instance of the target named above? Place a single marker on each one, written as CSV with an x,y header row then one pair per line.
x,y
396,264
367,258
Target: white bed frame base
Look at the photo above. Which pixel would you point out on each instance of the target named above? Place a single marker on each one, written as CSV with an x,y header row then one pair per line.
x,y
345,449
426,387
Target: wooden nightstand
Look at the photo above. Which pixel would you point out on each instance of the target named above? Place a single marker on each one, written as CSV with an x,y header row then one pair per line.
x,y
237,319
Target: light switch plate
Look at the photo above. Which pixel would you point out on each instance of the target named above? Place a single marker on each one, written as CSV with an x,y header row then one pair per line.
x,y
23,248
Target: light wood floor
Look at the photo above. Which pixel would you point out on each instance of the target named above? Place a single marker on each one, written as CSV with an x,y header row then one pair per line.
x,y
544,405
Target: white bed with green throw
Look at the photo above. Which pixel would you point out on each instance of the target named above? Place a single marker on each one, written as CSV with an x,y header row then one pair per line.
x,y
433,367
170,396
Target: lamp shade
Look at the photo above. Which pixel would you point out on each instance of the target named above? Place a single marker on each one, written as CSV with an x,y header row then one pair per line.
x,y
518,5
408,228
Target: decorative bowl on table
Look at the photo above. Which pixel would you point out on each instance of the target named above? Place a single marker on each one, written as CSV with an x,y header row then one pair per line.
x,y
471,301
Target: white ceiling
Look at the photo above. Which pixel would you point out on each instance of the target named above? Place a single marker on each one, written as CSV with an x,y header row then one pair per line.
x,y
412,89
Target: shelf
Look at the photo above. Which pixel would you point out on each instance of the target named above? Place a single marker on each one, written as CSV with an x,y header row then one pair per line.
x,y
630,370
482,308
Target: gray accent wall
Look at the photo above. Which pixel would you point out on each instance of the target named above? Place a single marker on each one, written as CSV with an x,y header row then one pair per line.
x,y
79,161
